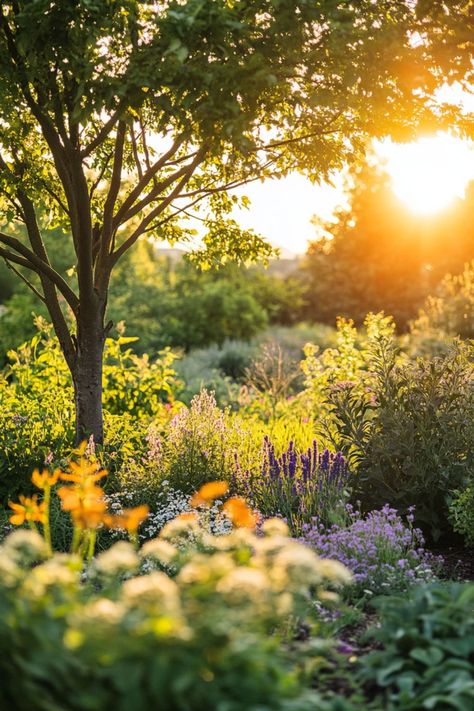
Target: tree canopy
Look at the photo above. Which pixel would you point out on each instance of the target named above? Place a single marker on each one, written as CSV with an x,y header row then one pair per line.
x,y
119,117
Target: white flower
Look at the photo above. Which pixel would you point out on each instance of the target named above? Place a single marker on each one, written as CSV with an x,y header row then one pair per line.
x,y
160,550
156,589
119,559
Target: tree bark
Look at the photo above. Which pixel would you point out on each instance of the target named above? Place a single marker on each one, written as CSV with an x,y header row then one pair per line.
x,y
87,377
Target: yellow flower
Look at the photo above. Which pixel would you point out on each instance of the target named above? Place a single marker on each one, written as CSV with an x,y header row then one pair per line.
x,y
85,502
73,497
89,515
239,513
27,510
209,492
45,478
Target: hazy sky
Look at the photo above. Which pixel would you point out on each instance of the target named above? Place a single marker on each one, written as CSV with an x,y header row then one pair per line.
x,y
281,210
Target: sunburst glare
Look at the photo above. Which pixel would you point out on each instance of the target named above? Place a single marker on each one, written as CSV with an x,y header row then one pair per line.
x,y
427,175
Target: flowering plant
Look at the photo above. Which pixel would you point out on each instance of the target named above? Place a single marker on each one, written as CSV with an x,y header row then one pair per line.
x,y
299,487
208,633
383,552
82,498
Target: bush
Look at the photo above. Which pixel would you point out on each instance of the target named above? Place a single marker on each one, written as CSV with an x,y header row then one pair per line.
x,y
37,414
384,553
407,427
427,655
451,310
200,444
461,513
208,634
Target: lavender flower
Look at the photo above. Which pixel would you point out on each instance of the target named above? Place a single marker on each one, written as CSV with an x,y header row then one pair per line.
x,y
296,486
383,552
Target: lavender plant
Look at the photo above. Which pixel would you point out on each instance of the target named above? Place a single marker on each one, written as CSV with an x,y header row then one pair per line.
x,y
298,487
384,553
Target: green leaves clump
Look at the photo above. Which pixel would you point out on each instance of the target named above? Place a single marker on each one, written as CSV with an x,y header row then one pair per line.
x,y
427,660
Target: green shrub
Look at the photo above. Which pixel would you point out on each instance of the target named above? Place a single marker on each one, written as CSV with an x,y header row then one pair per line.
x,y
200,444
37,413
461,513
207,635
427,655
406,426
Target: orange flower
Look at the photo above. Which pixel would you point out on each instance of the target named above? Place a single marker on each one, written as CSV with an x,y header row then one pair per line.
x,y
27,510
45,478
83,472
186,516
130,519
89,514
73,497
239,513
209,492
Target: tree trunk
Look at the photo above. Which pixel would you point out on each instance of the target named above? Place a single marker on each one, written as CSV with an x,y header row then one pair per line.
x,y
87,378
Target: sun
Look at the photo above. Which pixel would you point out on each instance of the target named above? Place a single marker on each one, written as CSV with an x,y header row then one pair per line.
x,y
429,174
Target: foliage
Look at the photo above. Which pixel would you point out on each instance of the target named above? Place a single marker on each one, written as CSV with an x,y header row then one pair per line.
x,y
405,425
201,444
155,111
36,418
461,513
17,318
383,553
222,369
208,633
272,376
426,661
298,487
450,310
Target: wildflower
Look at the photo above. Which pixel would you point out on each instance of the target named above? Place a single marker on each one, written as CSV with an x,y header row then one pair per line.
x,y
119,559
209,492
129,519
239,513
89,514
161,551
156,588
45,479
181,526
74,497
83,472
275,527
28,510
243,584
25,546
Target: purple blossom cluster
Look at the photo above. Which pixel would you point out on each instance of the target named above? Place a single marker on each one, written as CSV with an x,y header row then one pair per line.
x,y
299,487
383,552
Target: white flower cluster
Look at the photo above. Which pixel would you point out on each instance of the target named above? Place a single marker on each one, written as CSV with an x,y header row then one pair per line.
x,y
169,504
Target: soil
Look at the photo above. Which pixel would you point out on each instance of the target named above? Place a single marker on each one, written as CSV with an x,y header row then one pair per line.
x,y
458,562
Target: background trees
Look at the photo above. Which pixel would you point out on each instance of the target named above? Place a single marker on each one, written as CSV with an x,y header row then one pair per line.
x,y
380,256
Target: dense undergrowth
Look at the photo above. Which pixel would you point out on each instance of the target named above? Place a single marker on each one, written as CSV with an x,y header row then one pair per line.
x,y
362,450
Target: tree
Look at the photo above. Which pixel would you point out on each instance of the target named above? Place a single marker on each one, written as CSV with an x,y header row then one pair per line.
x,y
380,256
119,117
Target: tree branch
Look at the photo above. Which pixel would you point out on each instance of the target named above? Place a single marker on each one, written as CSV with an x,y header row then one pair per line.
x,y
158,209
24,279
31,261
143,182
104,131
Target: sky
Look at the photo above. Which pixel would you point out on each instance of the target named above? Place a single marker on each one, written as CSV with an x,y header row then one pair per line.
x,y
281,210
